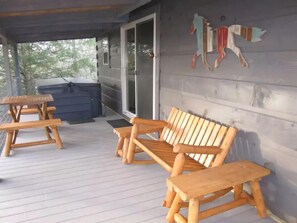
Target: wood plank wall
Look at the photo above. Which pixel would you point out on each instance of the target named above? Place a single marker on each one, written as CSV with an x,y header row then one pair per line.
x,y
110,75
260,100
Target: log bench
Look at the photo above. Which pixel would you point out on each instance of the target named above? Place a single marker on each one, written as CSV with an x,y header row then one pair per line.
x,y
10,128
193,187
187,143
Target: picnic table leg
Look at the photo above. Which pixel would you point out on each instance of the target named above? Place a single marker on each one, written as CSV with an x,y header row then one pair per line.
x,y
193,211
16,116
8,142
258,197
175,207
43,114
57,137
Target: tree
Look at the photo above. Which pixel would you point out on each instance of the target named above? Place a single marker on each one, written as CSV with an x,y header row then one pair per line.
x,y
66,58
2,74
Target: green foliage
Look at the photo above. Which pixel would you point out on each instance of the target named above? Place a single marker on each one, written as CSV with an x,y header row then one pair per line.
x,y
67,58
2,74
1,63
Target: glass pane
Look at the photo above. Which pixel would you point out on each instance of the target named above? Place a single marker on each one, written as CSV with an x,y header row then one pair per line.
x,y
144,61
131,70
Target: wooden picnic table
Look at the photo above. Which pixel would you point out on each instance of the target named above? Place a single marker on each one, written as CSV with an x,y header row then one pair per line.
x,y
17,103
37,103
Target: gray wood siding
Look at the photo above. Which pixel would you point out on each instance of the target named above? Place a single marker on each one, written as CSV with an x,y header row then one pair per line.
x,y
260,100
110,75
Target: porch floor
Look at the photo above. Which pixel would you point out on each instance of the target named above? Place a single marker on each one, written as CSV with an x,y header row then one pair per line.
x,y
85,182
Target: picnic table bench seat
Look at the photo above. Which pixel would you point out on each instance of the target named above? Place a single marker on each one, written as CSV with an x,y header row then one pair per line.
x,y
10,128
187,142
29,111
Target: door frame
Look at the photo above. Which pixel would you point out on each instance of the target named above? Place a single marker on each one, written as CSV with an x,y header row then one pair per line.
x,y
156,61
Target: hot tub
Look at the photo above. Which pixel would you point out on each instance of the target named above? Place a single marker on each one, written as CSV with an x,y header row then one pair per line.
x,y
74,98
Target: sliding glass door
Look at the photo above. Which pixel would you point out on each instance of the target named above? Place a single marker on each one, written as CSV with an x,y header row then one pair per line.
x,y
138,64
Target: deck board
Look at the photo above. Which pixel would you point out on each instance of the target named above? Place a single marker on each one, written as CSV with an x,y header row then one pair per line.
x,y
84,182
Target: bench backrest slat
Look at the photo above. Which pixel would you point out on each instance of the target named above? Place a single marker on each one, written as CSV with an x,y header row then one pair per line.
x,y
225,146
217,142
178,125
172,126
192,137
190,129
173,113
202,158
180,128
186,130
201,132
203,136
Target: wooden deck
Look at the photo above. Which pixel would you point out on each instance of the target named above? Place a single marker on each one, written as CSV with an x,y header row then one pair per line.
x,y
85,183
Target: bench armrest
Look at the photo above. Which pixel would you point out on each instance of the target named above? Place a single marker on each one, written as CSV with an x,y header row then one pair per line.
x,y
182,148
142,121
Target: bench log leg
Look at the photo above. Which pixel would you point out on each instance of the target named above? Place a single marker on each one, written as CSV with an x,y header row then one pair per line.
x,y
176,170
258,197
125,150
179,218
193,211
57,137
8,141
238,191
175,207
14,136
132,145
119,146
131,149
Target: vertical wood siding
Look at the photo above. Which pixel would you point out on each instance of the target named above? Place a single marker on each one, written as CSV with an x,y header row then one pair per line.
x,y
260,100
110,75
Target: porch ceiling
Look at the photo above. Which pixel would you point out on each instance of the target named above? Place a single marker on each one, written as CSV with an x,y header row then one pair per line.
x,y
45,20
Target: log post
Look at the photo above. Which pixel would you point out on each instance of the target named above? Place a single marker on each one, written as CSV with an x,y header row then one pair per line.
x,y
131,148
175,207
258,197
176,170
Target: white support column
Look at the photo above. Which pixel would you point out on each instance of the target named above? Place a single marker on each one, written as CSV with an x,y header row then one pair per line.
x,y
6,63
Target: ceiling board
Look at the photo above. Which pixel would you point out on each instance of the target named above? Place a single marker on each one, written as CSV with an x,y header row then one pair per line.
x,y
28,21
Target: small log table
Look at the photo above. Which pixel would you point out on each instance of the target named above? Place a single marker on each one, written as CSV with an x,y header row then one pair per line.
x,y
193,187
